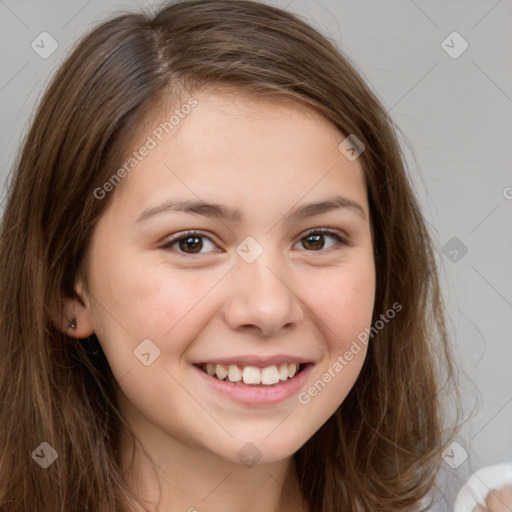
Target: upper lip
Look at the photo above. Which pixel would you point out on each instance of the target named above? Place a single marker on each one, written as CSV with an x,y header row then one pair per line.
x,y
256,360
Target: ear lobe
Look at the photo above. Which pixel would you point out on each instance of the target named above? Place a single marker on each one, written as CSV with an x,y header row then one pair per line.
x,y
77,309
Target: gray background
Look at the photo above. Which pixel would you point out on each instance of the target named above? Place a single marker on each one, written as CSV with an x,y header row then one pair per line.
x,y
455,115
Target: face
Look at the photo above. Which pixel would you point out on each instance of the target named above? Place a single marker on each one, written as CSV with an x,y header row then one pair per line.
x,y
254,290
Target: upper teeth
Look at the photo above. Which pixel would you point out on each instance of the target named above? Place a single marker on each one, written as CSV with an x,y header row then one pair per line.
x,y
252,374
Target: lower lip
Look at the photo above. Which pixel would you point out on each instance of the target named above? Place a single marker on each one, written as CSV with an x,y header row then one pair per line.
x,y
251,394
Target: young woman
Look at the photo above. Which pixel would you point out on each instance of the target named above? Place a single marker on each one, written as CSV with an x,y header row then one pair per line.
x,y
218,289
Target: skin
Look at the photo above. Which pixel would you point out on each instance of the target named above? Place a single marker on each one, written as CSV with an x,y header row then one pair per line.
x,y
498,500
296,298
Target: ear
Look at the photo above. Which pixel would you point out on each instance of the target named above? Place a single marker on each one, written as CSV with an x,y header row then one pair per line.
x,y
79,309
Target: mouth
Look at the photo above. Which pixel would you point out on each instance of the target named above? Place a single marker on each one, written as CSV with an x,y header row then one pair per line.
x,y
253,376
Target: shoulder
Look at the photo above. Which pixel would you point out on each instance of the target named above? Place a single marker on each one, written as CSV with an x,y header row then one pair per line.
x,y
448,483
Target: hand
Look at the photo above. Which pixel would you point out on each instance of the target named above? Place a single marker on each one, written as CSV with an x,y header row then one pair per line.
x,y
498,500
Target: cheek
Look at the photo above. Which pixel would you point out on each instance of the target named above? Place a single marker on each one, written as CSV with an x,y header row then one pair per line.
x,y
165,297
143,294
169,306
344,303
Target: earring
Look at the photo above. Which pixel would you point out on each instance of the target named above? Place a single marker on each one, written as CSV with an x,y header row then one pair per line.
x,y
72,324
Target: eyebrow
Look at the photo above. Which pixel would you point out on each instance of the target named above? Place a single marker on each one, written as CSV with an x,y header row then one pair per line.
x,y
221,212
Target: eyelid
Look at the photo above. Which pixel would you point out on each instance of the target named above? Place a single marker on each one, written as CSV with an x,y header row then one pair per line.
x,y
326,231
343,239
179,236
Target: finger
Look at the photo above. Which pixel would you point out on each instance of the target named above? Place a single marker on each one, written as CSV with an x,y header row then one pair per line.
x,y
479,508
500,500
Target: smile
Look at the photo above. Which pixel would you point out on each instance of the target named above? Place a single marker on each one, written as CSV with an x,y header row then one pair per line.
x,y
253,375
255,379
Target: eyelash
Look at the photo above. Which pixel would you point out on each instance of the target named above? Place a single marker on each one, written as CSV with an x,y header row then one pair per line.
x,y
316,231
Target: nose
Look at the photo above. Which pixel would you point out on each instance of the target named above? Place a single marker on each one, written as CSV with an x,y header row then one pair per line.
x,y
262,298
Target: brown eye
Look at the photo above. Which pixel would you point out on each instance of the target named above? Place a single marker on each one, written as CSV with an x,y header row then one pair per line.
x,y
192,243
189,243
315,240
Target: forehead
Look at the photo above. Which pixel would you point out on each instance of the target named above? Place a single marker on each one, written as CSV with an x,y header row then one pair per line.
x,y
210,104
234,145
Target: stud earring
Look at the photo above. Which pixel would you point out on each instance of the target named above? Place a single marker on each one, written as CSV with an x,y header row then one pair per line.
x,y
72,324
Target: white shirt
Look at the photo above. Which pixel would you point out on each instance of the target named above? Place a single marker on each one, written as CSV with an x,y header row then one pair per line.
x,y
480,484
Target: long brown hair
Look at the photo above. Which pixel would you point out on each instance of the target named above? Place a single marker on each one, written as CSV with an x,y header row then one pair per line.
x,y
382,448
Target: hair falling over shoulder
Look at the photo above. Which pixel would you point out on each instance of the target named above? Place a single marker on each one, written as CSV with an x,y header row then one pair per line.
x,y
381,449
